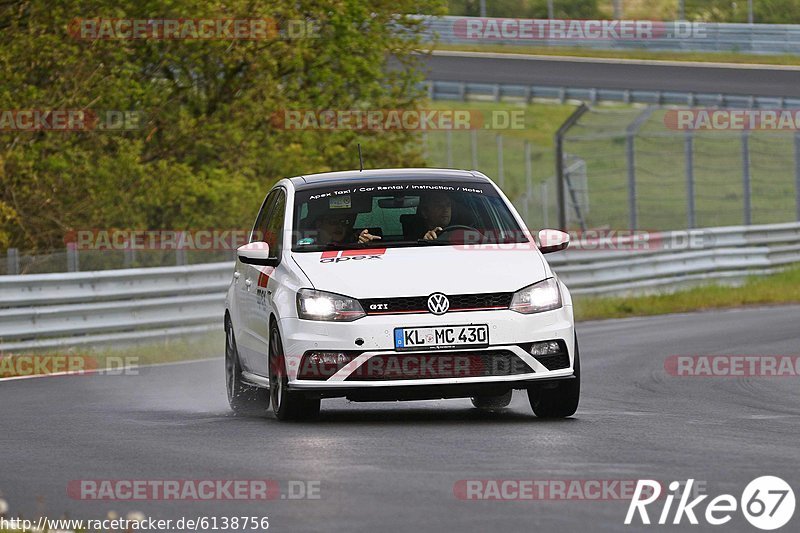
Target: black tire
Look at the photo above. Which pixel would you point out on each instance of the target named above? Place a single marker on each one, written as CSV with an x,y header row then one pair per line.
x,y
244,399
286,405
562,400
492,403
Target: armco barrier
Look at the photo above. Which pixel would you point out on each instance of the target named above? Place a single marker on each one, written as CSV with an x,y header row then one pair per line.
x,y
50,310
462,91
44,311
711,37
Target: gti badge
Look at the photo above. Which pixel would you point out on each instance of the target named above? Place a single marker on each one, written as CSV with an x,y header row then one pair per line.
x,y
438,304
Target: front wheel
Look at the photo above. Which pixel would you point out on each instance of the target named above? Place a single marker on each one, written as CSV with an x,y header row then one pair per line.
x,y
560,401
286,405
244,399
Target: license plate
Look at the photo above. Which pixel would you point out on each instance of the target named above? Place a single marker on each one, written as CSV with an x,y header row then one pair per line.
x,y
441,337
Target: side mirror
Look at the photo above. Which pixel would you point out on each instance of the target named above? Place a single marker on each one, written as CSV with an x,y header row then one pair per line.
x,y
552,240
256,253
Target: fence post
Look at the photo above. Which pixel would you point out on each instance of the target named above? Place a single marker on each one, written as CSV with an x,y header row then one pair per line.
x,y
500,176
72,257
449,136
545,205
746,186
630,156
797,173
12,261
559,142
689,156
631,164
474,146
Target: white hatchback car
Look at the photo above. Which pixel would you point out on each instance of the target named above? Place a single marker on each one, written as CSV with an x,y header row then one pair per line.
x,y
398,284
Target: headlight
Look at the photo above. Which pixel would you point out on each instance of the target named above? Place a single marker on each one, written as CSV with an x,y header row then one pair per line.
x,y
542,296
321,305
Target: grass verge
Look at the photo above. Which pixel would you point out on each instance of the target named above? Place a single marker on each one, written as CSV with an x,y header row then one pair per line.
x,y
112,358
704,57
780,288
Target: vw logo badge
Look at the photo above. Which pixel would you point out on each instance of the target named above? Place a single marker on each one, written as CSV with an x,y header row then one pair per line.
x,y
438,304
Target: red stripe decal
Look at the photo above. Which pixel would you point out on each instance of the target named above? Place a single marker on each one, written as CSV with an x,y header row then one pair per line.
x,y
367,251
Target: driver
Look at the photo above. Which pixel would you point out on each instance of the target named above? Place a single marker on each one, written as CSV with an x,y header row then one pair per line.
x,y
436,209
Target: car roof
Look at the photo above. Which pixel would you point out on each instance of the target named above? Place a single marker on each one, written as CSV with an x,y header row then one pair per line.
x,y
346,177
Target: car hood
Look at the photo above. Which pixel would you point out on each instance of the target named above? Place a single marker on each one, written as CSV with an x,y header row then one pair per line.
x,y
420,271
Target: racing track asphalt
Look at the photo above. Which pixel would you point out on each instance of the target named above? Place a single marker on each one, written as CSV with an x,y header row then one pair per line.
x,y
611,74
392,466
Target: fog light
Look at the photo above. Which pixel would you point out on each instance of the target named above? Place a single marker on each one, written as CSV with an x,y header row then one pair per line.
x,y
322,365
545,348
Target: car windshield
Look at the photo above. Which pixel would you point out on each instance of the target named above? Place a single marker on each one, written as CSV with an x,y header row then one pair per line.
x,y
401,213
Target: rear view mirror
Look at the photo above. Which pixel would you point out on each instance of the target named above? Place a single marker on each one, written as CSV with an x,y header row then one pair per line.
x,y
256,253
552,240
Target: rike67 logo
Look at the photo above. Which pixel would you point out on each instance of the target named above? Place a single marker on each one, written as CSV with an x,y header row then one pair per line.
x,y
767,503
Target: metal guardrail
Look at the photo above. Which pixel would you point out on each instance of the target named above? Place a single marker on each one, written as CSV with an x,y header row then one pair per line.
x,y
46,311
724,254
453,90
668,36
42,311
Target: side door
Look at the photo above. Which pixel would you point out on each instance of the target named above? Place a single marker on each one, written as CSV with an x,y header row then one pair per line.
x,y
245,290
263,283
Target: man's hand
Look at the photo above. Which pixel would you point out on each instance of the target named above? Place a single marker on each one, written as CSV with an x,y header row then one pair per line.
x,y
431,234
365,236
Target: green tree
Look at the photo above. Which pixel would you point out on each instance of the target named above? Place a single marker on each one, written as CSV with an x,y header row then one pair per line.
x,y
207,149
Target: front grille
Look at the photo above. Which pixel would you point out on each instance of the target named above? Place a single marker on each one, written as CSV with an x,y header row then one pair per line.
x,y
419,304
444,365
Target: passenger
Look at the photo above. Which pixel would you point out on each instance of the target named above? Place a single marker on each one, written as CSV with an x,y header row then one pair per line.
x,y
338,229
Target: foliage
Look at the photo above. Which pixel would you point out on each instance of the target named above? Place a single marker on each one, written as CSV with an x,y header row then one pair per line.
x,y
207,149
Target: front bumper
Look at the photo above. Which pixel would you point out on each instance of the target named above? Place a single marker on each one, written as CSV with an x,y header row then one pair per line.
x,y
508,330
